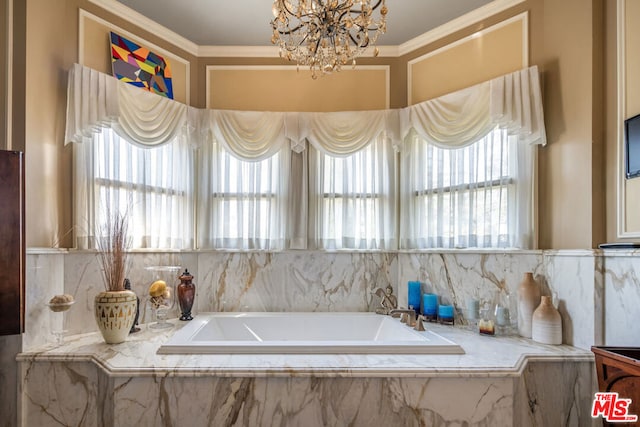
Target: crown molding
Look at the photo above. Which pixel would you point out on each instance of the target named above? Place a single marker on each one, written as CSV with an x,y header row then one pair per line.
x,y
138,19
457,24
444,30
272,52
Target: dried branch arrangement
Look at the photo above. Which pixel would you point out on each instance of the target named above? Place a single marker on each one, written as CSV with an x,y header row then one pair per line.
x,y
112,244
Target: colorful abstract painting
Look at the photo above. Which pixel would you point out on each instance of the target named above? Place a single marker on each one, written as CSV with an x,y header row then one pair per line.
x,y
140,67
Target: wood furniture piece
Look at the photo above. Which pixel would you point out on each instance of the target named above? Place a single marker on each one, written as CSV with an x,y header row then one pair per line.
x,y
618,371
12,243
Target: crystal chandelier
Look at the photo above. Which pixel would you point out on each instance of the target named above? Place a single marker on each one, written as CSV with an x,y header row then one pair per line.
x,y
327,34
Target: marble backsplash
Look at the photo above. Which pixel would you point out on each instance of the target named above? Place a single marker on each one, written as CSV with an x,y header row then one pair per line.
x,y
598,292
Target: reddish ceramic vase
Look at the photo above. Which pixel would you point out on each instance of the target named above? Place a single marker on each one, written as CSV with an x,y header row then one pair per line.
x,y
186,295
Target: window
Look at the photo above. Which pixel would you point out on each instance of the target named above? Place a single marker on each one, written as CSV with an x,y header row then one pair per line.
x,y
476,196
245,201
468,197
153,185
337,193
353,204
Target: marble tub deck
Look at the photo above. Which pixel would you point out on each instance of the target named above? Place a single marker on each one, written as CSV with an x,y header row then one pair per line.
x,y
498,381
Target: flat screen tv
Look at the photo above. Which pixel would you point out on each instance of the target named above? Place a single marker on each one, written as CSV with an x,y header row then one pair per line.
x,y
632,146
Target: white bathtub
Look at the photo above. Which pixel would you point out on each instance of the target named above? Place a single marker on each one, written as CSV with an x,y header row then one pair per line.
x,y
303,333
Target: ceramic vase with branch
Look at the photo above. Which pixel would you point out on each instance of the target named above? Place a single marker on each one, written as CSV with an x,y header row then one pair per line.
x,y
115,307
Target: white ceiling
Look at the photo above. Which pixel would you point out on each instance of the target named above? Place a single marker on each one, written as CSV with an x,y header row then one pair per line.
x,y
246,22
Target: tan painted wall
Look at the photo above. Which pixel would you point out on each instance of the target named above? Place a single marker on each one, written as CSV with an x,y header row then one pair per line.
x,y
4,64
493,52
598,126
611,119
561,44
47,194
397,78
48,161
263,89
565,41
563,48
631,187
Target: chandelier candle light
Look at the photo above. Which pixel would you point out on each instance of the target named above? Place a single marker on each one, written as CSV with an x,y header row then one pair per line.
x,y
327,34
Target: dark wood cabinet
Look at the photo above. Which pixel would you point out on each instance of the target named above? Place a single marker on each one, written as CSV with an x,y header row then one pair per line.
x,y
12,243
618,370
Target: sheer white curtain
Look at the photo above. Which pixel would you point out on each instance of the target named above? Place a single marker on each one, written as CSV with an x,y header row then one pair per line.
x,y
132,152
467,165
242,203
352,198
261,170
153,185
474,196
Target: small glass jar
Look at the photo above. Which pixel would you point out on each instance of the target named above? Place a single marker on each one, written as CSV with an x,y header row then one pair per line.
x,y
505,314
162,294
472,312
486,322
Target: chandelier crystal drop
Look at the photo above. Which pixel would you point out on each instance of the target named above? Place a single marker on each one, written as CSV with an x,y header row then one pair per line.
x,y
327,34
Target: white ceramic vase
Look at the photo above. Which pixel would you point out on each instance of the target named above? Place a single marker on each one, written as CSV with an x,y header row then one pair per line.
x,y
528,301
547,323
115,312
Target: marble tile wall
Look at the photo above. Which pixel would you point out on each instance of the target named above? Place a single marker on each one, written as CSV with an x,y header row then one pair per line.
x,y
293,281
621,277
598,294
457,276
83,280
591,286
45,278
576,277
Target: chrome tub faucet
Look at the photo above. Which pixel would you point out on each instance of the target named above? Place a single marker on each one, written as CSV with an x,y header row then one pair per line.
x,y
410,317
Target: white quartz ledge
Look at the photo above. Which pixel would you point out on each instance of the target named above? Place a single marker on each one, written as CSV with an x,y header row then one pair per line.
x,y
484,357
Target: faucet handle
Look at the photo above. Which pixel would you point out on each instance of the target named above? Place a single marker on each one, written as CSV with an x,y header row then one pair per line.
x,y
419,324
409,317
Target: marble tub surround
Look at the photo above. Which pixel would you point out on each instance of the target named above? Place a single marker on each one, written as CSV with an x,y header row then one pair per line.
x,y
87,380
10,346
343,281
506,381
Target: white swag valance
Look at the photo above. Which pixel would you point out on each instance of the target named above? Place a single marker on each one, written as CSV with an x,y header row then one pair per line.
x,y
97,100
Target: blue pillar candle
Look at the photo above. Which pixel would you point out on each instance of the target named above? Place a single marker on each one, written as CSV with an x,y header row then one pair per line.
x,y
430,306
445,314
414,295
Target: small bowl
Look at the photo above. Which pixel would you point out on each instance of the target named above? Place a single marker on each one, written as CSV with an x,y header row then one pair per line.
x,y
60,306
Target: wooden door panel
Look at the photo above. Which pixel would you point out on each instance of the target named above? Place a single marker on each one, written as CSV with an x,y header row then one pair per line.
x,y
12,249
